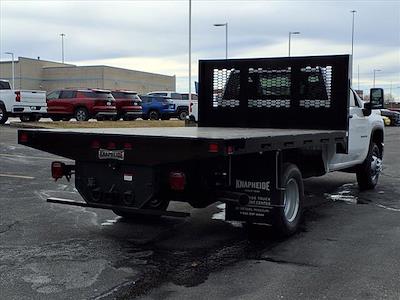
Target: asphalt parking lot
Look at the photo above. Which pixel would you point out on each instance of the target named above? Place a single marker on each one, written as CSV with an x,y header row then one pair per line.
x,y
349,247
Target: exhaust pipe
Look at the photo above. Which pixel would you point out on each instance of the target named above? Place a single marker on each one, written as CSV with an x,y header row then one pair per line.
x,y
233,197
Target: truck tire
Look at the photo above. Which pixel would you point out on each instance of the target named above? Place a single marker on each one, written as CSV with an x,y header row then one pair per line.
x,y
3,114
154,115
81,114
154,204
183,114
368,172
287,219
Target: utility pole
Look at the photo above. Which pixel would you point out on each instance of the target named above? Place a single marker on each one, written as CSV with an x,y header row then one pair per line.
x,y
226,36
375,70
190,55
62,46
352,44
290,37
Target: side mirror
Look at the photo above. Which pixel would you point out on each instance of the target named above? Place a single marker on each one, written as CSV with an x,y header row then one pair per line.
x,y
376,98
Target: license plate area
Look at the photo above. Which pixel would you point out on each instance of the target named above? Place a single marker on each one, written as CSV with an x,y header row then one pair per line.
x,y
111,154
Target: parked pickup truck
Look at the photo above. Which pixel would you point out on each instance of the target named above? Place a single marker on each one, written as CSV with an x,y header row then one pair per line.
x,y
264,125
29,105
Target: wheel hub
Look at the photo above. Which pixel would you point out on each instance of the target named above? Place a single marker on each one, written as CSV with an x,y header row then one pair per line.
x,y
291,200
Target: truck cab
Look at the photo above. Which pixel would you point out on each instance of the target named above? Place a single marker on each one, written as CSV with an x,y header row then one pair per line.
x,y
29,105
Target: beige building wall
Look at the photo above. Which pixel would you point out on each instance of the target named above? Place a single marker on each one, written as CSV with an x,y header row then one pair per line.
x,y
45,75
28,72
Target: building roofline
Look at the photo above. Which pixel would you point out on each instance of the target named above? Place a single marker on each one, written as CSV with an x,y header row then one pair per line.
x,y
104,66
35,59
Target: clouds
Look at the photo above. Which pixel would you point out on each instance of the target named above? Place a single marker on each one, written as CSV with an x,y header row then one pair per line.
x,y
153,35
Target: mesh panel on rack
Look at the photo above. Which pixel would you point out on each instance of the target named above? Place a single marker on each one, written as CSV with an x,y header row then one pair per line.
x,y
226,87
313,94
269,87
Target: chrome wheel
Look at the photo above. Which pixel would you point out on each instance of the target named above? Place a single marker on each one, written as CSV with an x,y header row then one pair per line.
x,y
376,164
291,200
81,115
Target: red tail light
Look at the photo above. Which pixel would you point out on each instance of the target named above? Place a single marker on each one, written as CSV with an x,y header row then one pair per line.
x,y
128,146
57,169
17,96
177,181
95,144
111,146
213,148
23,137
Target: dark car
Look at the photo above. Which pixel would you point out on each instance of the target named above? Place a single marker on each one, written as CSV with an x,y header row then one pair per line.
x,y
128,103
81,104
155,107
394,116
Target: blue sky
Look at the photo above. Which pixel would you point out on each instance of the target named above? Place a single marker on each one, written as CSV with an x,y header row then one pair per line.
x,y
153,35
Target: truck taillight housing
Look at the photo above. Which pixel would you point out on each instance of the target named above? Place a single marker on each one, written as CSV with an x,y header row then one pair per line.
x,y
57,169
213,148
177,181
17,96
23,137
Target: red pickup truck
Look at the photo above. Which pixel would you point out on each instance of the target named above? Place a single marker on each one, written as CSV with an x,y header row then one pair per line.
x,y
81,104
129,105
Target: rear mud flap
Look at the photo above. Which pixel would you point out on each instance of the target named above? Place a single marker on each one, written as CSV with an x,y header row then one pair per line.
x,y
256,176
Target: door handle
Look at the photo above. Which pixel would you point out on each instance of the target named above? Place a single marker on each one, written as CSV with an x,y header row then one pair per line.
x,y
350,116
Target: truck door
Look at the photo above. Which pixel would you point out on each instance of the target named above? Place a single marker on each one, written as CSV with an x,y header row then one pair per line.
x,y
359,130
359,136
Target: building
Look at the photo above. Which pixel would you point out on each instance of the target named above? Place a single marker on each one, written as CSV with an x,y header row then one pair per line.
x,y
37,74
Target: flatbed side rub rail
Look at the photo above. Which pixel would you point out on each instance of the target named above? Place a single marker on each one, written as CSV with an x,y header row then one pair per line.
x,y
294,92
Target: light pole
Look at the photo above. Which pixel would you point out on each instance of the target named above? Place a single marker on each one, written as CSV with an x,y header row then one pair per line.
x,y
226,36
190,54
12,68
376,70
62,46
290,37
352,43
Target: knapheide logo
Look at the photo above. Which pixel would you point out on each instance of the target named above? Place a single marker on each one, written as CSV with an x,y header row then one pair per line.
x,y
257,185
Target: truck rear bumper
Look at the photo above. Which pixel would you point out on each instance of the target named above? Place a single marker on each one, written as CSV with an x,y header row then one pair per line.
x,y
28,109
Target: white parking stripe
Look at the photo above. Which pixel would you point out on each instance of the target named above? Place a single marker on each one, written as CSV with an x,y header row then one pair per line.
x,y
24,156
16,176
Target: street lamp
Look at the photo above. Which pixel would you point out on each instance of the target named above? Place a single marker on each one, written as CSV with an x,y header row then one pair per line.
x,y
190,55
226,36
352,43
290,37
62,46
12,68
376,70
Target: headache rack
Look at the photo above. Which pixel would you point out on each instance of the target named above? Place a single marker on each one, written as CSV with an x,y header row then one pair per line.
x,y
295,92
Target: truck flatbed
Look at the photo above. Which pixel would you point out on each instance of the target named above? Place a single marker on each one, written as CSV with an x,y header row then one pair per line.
x,y
171,144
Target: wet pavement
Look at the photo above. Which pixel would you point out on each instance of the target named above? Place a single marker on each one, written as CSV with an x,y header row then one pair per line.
x,y
349,246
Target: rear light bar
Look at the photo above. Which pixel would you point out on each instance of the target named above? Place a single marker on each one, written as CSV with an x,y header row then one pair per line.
x,y
17,96
60,169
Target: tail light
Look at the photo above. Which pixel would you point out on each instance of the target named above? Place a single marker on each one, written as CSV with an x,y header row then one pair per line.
x,y
213,148
23,137
111,146
59,169
95,144
177,181
17,96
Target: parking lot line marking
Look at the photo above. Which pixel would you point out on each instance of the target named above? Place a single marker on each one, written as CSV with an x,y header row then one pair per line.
x,y
26,156
16,176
